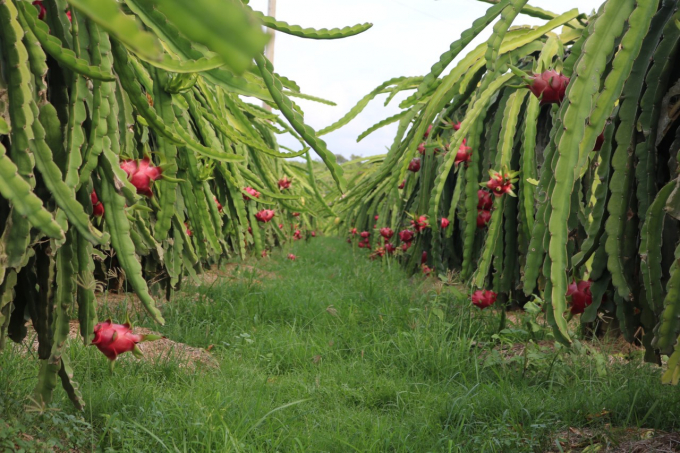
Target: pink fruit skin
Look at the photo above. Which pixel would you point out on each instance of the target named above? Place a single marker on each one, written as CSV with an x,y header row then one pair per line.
x,y
406,235
253,193
284,183
115,339
483,218
387,233
141,174
265,215
485,200
97,206
483,298
445,222
581,296
550,87
414,165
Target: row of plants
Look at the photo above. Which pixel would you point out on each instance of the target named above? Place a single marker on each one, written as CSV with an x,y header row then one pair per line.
x,y
127,148
543,164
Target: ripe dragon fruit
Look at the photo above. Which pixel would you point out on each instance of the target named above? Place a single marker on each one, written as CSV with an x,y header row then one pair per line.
x,y
484,200
428,131
581,296
421,223
455,126
220,208
115,339
483,298
353,231
141,174
365,234
390,248
405,246
445,223
414,165
263,254
423,258
501,184
426,269
253,193
284,183
97,206
376,217
406,235
296,214
265,215
403,183
387,233
464,153
421,148
292,257
483,218
549,86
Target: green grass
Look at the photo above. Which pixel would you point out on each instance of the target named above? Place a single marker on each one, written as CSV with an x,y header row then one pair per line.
x,y
399,367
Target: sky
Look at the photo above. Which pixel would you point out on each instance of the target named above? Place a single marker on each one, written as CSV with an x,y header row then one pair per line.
x,y
406,39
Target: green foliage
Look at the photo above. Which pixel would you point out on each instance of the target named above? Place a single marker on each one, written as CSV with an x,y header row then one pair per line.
x,y
112,82
580,213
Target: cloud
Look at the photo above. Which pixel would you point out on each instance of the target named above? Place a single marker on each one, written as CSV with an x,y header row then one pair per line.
x,y
407,38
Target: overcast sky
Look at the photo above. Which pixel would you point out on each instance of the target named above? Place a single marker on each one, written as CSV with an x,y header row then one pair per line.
x,y
407,37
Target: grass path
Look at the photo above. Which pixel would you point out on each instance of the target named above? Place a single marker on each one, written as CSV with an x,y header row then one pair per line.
x,y
335,353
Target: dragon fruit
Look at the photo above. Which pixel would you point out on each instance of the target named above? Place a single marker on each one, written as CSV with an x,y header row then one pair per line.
x,y
115,339
141,174
483,298
97,206
549,86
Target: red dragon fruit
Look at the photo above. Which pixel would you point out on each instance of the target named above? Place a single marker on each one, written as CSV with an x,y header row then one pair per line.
x,y
550,86
387,233
581,296
253,193
405,246
421,148
141,174
421,223
427,270
390,248
97,206
445,223
406,235
428,131
115,339
455,126
464,153
483,298
292,257
353,231
365,234
403,183
220,208
423,258
296,214
284,183
501,184
265,215
414,165
483,218
484,200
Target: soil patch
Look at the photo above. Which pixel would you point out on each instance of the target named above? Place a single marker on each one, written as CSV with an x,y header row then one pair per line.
x,y
154,351
616,440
